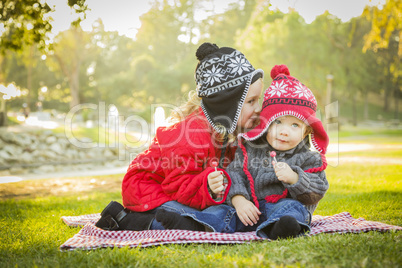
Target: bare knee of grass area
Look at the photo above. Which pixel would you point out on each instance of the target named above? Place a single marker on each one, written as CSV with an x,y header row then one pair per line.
x,y
60,187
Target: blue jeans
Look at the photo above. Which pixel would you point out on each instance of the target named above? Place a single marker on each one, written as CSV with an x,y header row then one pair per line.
x,y
223,218
272,212
214,218
171,206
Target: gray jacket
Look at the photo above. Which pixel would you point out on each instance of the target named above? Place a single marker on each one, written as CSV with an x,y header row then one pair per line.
x,y
309,189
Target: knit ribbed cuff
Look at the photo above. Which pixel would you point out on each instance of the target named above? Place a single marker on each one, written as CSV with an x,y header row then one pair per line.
x,y
301,186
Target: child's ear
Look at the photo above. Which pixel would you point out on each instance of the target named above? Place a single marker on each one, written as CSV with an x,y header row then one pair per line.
x,y
308,131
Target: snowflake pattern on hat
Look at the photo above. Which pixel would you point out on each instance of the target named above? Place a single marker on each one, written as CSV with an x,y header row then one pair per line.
x,y
222,72
303,92
276,89
213,75
239,64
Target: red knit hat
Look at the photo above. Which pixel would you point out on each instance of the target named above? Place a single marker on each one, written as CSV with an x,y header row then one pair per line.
x,y
287,96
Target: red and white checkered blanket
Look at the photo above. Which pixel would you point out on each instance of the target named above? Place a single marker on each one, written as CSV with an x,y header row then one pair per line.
x,y
91,237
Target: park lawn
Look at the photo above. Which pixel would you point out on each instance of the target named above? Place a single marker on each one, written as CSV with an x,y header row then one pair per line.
x,y
385,151
367,133
102,135
359,135
31,230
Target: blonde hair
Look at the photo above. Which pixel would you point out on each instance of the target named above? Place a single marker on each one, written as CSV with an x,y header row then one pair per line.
x,y
308,130
191,106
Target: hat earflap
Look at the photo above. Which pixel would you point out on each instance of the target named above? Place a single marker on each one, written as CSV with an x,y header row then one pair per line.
x,y
319,137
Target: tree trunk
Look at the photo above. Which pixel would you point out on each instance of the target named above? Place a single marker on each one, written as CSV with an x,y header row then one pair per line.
x,y
396,96
74,88
73,80
366,108
354,110
3,112
398,80
387,90
29,77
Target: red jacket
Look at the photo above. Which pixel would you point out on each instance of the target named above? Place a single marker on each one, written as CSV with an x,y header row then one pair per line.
x,y
175,167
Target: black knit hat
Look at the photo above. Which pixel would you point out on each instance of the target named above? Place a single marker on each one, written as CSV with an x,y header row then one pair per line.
x,y
223,77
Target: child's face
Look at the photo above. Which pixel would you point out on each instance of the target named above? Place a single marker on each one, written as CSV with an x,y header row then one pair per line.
x,y
251,107
286,132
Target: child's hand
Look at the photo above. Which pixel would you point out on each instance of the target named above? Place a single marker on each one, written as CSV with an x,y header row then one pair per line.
x,y
215,182
285,173
246,210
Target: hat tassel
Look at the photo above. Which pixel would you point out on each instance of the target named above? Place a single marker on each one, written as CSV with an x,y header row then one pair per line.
x,y
318,169
250,178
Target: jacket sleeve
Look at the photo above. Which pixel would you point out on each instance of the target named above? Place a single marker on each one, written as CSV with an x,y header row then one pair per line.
x,y
141,189
186,178
240,184
311,187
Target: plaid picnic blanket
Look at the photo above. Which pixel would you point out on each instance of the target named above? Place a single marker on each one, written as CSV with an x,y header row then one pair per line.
x,y
91,237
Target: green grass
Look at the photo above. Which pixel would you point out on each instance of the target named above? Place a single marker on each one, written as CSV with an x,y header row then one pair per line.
x,y
376,153
96,134
31,230
103,136
12,121
365,134
368,191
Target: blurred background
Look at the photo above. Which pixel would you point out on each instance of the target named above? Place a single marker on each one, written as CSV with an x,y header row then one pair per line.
x,y
87,61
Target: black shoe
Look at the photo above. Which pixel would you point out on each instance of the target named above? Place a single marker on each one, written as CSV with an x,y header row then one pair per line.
x,y
116,217
286,227
111,216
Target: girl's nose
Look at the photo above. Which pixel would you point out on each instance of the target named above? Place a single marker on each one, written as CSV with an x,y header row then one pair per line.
x,y
283,131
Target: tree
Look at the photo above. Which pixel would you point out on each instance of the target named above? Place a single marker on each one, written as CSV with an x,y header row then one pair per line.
x,y
361,80
28,70
27,22
111,76
257,39
384,23
222,29
163,64
71,52
386,31
312,51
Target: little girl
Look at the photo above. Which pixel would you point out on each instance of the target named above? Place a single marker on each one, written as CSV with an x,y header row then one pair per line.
x,y
175,173
275,199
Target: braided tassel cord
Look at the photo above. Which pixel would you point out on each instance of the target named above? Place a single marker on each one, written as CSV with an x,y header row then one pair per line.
x,y
250,178
317,169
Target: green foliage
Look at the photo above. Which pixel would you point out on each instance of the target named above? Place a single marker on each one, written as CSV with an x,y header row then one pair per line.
x,y
71,57
384,38
385,23
26,22
223,28
158,66
30,72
